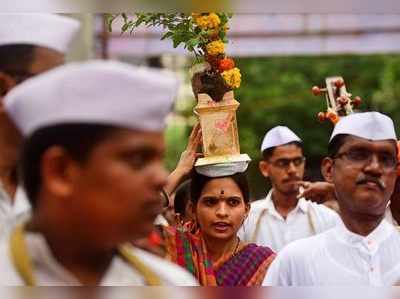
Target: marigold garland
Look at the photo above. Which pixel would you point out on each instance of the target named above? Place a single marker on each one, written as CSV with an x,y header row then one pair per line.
x,y
215,48
210,21
232,78
201,33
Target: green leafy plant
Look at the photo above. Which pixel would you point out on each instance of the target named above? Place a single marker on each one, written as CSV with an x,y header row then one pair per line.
x,y
203,34
181,28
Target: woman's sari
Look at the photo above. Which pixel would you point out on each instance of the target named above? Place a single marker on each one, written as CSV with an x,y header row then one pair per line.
x,y
246,267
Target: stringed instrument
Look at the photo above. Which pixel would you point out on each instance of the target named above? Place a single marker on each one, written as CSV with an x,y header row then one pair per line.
x,y
338,99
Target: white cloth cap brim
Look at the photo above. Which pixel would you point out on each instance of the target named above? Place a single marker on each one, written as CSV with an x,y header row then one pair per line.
x,y
96,92
277,136
368,125
45,30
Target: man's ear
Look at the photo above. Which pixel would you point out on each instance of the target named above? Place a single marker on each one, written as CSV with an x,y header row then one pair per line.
x,y
264,168
6,83
59,171
327,169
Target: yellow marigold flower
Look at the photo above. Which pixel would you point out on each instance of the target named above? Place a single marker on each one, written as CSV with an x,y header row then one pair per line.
x,y
202,21
216,47
210,21
232,78
213,20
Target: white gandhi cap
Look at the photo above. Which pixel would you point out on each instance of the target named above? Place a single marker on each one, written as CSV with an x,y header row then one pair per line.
x,y
45,30
278,136
368,125
96,92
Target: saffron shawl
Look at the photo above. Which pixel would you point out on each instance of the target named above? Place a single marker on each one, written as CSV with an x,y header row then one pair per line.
x,y
247,267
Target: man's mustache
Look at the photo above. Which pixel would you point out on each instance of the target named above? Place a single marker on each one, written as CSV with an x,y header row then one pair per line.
x,y
292,179
365,179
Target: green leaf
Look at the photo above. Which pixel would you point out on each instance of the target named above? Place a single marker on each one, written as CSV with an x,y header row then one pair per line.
x,y
167,35
176,40
193,42
109,19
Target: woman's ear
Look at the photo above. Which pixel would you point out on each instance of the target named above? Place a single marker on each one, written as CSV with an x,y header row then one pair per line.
x,y
193,209
247,210
189,210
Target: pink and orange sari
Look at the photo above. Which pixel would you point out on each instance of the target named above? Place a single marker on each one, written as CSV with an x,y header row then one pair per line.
x,y
245,268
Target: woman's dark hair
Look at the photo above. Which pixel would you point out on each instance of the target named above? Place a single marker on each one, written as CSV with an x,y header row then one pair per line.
x,y
182,197
77,139
199,181
268,153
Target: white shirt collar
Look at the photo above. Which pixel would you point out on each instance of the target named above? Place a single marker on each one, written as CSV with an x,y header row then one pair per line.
x,y
302,204
43,258
21,205
371,242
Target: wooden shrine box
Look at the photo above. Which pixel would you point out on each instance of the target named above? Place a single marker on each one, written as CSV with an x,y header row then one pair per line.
x,y
219,130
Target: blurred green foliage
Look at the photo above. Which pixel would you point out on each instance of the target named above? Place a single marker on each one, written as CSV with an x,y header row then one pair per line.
x,y
277,91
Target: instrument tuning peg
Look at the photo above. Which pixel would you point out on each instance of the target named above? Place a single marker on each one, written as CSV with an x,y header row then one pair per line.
x,y
339,83
317,90
356,102
321,116
342,100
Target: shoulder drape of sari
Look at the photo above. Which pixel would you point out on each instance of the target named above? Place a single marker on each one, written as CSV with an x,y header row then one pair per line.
x,y
245,268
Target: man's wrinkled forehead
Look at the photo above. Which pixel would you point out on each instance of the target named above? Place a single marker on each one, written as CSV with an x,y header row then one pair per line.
x,y
351,141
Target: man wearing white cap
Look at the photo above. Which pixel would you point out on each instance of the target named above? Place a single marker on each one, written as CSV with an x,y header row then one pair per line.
x,y
30,44
92,166
363,248
282,216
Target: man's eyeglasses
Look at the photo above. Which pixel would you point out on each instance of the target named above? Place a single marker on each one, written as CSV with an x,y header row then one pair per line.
x,y
362,157
285,163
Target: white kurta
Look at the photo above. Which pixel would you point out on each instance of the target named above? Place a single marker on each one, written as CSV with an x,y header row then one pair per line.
x,y
21,207
48,272
6,211
339,257
265,226
12,213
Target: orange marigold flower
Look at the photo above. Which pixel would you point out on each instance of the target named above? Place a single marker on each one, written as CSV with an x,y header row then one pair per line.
x,y
226,64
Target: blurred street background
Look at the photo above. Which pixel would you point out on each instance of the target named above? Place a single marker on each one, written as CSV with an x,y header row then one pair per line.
x,y
281,57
